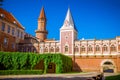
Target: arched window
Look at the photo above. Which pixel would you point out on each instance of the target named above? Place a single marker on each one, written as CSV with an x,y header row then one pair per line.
x,y
66,48
51,49
97,48
113,48
90,49
76,49
82,49
46,49
105,48
57,49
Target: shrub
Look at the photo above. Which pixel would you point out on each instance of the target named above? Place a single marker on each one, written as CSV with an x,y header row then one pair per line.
x,y
28,61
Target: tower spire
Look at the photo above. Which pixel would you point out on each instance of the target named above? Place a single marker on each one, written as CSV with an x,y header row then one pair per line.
x,y
42,13
69,18
41,32
68,22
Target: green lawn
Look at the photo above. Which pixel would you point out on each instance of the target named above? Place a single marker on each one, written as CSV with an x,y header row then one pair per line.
x,y
117,77
20,72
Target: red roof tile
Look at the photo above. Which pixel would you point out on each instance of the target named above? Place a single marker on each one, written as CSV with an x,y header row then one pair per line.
x,y
9,17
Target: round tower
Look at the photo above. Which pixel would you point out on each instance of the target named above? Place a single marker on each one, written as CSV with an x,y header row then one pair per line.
x,y
41,32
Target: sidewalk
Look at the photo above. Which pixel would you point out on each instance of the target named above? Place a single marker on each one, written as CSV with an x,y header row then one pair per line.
x,y
86,75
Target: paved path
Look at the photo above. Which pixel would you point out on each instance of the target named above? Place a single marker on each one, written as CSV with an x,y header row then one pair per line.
x,y
76,76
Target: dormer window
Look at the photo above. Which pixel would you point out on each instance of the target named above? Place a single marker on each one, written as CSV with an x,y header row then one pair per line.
x,y
2,15
14,22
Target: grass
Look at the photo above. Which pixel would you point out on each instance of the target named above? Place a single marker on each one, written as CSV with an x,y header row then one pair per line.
x,y
20,72
117,77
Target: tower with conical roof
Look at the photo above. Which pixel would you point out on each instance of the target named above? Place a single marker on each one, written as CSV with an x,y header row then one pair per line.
x,y
41,32
68,34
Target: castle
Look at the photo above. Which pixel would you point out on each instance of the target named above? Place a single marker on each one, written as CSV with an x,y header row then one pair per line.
x,y
87,55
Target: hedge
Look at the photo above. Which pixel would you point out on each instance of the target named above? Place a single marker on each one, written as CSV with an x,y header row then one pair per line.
x,y
20,72
28,61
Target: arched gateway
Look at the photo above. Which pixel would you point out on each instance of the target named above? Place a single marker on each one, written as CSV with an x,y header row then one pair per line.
x,y
51,68
108,66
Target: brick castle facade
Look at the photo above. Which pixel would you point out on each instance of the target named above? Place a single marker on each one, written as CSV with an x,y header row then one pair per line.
x,y
87,55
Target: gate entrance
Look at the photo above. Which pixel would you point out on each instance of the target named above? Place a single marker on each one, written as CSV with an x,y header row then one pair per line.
x,y
108,67
51,68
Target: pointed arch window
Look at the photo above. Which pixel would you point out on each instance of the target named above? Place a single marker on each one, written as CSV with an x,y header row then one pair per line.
x,y
97,48
90,49
83,49
46,49
76,49
105,48
51,49
57,49
112,48
66,49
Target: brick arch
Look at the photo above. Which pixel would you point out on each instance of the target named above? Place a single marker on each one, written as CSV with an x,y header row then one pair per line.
x,y
108,60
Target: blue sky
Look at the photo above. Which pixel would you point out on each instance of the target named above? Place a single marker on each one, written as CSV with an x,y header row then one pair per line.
x,y
93,18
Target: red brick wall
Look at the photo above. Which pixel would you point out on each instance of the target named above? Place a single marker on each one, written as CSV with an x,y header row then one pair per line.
x,y
11,40
67,41
118,63
86,64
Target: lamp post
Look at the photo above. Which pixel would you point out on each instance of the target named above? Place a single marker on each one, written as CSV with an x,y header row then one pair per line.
x,y
73,57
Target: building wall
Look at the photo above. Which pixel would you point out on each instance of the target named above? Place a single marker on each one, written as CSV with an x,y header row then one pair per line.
x,y
10,45
12,37
94,63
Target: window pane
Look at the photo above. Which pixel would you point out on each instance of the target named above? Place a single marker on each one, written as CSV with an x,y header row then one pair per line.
x,y
13,31
3,26
5,42
97,48
8,29
18,33
66,48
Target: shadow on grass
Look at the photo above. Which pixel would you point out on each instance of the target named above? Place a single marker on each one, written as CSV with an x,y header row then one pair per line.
x,y
117,77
